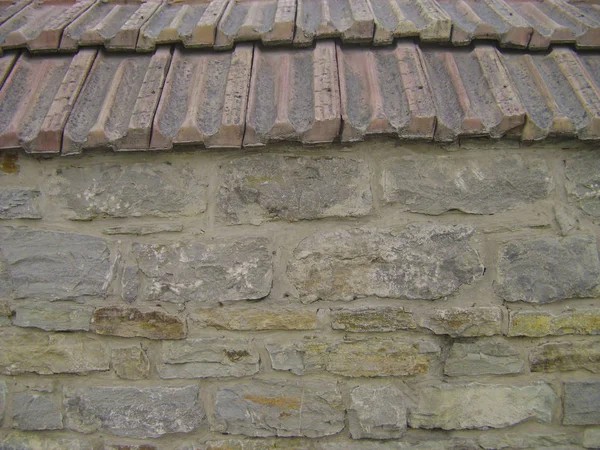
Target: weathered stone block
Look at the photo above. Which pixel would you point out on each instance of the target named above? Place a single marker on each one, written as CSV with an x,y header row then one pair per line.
x,y
132,322
141,413
493,356
29,351
19,203
130,190
130,283
537,324
481,406
130,363
248,319
2,398
530,440
549,269
376,413
208,357
375,357
465,322
582,403
434,184
18,440
563,356
266,187
583,181
215,271
52,265
372,319
591,438
273,408
36,411
421,261
53,316
260,444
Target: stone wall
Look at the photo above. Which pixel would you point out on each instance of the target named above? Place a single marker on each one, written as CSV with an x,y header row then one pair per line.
x,y
378,296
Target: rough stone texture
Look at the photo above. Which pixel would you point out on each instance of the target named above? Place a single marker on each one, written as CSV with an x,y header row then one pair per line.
x,y
421,261
248,319
372,319
481,406
53,316
267,187
563,356
50,265
582,403
19,203
204,272
376,413
36,411
465,322
130,190
2,398
549,269
375,357
493,356
18,440
130,283
537,324
132,322
130,363
208,357
143,230
147,412
591,438
529,440
273,408
434,184
583,181
31,351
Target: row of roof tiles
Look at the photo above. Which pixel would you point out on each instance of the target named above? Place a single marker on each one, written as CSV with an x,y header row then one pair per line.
x,y
252,95
66,25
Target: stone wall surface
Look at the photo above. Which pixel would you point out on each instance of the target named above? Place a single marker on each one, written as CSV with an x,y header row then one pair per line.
x,y
378,296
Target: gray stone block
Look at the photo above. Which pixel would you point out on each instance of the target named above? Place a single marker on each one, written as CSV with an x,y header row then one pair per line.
x,y
582,403
493,356
36,411
19,203
583,181
376,413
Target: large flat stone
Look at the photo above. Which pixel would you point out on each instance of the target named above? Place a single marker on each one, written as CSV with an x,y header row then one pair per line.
x,y
51,265
374,357
583,181
549,269
530,440
421,261
147,412
133,322
276,408
130,190
474,321
481,406
269,187
206,272
19,203
130,363
582,403
44,353
434,184
53,316
492,356
249,319
372,319
571,321
376,412
208,357
564,356
19,440
36,411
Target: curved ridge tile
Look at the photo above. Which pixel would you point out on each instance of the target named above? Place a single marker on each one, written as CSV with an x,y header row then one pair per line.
x,y
294,95
204,99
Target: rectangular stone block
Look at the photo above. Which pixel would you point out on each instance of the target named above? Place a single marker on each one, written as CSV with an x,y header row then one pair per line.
x,y
130,363
145,412
45,353
208,357
276,408
52,265
255,319
563,356
481,406
434,184
53,316
205,272
270,187
19,203
376,412
582,172
379,319
537,324
530,440
582,403
374,357
130,190
420,261
549,269
36,411
494,356
134,322
465,322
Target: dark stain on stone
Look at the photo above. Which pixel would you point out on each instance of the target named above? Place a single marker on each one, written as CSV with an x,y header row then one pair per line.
x,y
9,162
236,355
